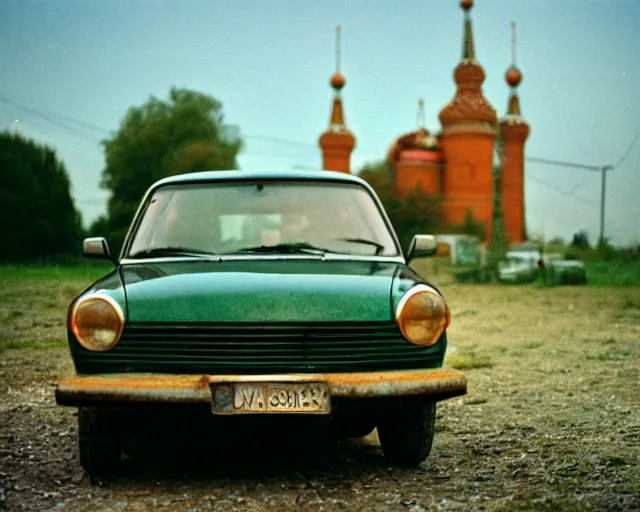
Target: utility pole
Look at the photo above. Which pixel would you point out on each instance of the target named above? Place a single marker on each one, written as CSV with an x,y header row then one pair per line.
x,y
602,169
605,168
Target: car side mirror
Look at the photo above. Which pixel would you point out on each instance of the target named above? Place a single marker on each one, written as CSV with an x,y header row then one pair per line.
x,y
421,246
96,248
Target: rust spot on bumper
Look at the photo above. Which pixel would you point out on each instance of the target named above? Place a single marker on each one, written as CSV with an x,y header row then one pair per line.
x,y
440,383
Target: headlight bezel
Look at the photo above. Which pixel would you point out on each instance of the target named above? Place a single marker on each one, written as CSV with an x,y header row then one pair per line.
x,y
443,320
75,328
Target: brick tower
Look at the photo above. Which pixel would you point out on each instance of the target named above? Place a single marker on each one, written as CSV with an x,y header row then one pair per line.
x,y
417,160
515,131
468,134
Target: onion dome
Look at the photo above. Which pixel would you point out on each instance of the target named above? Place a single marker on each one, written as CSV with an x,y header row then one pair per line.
x,y
338,81
513,77
469,110
418,145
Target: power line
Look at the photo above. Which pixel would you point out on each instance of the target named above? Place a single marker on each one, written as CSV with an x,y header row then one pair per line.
x,y
50,118
602,169
59,120
560,191
635,139
305,145
595,168
41,112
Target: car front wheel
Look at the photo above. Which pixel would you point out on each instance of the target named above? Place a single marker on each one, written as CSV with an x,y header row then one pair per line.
x,y
99,441
406,432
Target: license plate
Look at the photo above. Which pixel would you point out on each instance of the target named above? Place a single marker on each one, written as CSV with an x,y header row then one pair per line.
x,y
269,397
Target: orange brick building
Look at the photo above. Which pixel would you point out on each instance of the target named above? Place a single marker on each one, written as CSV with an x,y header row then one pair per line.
x,y
456,165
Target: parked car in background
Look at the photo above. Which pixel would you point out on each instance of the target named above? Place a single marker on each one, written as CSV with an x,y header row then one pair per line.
x,y
527,265
258,294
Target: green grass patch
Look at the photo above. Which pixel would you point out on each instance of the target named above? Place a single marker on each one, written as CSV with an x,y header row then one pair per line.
x,y
613,273
37,345
35,273
469,361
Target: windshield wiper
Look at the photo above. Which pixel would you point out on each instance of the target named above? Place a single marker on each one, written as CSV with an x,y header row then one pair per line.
x,y
284,248
364,241
171,251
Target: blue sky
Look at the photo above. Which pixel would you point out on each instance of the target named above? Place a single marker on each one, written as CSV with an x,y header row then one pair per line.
x,y
269,63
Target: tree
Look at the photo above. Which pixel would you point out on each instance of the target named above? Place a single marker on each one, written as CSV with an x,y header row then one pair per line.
x,y
581,240
556,240
35,202
414,213
159,139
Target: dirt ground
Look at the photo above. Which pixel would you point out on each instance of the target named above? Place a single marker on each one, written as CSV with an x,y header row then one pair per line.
x,y
551,420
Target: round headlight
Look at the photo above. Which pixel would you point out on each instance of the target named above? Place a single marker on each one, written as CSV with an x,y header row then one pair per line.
x,y
97,322
422,315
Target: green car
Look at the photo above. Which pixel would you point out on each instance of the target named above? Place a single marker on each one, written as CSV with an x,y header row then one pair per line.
x,y
258,294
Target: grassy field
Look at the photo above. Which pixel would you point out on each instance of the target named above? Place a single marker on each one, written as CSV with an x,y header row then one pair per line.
x,y
550,421
613,273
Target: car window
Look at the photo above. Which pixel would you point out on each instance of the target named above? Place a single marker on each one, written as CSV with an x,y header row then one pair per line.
x,y
228,218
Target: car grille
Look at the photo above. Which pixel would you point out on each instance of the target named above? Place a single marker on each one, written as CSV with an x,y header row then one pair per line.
x,y
263,349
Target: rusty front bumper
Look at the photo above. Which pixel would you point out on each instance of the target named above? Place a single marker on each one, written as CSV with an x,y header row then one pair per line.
x,y
440,383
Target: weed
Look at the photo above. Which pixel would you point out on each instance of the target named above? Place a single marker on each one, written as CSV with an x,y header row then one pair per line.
x,y
615,354
475,401
628,303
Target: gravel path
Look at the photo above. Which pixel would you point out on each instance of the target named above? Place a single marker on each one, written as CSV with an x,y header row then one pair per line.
x,y
550,423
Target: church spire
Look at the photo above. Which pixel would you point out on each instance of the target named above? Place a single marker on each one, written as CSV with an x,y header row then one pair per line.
x,y
514,131
422,125
337,142
469,111
513,76
468,51
338,81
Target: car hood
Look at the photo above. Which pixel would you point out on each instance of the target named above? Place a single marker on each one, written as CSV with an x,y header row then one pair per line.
x,y
263,291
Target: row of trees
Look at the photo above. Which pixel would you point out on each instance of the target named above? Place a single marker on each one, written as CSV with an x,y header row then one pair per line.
x,y
39,217
160,138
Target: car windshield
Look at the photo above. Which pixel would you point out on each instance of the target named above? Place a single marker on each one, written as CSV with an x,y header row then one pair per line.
x,y
261,218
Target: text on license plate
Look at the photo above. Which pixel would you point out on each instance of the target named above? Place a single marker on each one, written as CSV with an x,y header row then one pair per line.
x,y
268,397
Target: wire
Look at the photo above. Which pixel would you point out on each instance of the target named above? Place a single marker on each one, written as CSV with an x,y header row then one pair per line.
x,y
305,145
635,139
50,119
42,112
560,191
563,164
58,119
578,186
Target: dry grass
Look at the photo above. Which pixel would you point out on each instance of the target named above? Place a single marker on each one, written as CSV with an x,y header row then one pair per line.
x,y
555,417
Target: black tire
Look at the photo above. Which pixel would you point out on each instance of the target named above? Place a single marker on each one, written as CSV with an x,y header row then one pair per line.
x,y
98,441
406,432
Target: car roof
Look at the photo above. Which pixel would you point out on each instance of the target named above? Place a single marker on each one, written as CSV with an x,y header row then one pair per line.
x,y
296,175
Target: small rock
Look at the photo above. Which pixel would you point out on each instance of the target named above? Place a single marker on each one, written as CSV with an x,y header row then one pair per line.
x,y
315,501
78,477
